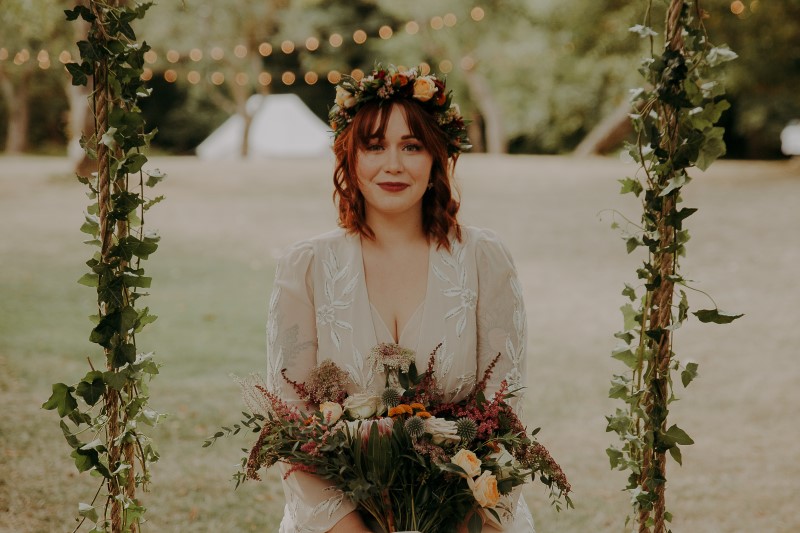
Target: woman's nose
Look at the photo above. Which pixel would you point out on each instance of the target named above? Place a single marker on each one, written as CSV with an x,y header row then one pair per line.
x,y
394,161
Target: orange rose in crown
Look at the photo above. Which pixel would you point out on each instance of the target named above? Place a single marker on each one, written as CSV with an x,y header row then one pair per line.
x,y
424,88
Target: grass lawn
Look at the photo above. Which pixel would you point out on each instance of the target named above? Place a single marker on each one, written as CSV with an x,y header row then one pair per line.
x,y
222,225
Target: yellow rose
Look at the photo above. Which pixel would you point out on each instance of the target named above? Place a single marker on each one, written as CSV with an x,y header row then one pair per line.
x,y
344,98
331,412
424,88
484,488
468,461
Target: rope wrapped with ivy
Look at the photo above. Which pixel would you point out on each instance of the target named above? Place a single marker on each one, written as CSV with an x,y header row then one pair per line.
x,y
675,121
104,433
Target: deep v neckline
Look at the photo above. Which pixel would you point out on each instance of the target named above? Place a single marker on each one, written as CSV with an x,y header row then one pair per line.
x,y
420,309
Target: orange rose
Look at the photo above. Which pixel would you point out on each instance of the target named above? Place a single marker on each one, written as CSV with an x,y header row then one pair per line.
x,y
400,80
485,490
468,462
424,88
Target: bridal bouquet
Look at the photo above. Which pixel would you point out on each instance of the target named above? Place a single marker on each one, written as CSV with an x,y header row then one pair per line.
x,y
408,459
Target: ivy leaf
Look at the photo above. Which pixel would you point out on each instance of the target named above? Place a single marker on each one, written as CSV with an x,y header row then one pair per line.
x,y
79,77
720,54
630,292
80,11
630,185
614,457
90,280
115,380
678,436
154,176
91,388
642,31
61,399
624,354
677,181
632,243
689,373
87,511
675,452
629,315
716,316
713,147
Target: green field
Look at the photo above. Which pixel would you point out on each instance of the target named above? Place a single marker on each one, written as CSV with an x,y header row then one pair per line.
x,y
223,224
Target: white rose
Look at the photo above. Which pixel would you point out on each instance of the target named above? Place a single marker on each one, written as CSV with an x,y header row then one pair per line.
x,y
424,88
344,98
441,430
468,462
331,412
362,405
485,490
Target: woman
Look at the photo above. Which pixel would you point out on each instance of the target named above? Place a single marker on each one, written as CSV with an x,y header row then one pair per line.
x,y
401,269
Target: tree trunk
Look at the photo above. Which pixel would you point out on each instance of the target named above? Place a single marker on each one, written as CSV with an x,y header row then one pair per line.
x,y
609,133
494,134
16,97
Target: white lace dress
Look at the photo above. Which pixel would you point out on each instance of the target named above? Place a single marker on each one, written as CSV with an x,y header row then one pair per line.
x,y
320,310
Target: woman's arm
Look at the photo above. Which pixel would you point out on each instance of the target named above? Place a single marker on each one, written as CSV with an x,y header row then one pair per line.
x,y
312,503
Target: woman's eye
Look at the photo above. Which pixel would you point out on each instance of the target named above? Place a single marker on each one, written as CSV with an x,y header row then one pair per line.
x,y
413,147
374,147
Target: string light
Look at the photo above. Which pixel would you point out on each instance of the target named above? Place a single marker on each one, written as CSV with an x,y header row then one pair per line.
x,y
467,63
754,5
311,78
385,32
360,36
312,43
195,54
240,51
4,54
193,77
412,27
477,14
64,56
170,76
217,78
445,66
334,77
336,40
437,23
424,69
22,56
357,74
265,49
265,78
737,7
288,78
241,79
147,74
150,56
287,47
173,56
450,20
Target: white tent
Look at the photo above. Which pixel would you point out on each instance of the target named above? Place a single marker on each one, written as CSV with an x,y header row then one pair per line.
x,y
282,126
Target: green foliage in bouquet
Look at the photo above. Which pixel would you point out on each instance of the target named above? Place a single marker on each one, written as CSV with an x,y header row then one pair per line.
x,y
406,458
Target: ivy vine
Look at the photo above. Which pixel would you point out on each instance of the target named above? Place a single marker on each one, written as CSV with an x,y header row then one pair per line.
x,y
103,414
675,119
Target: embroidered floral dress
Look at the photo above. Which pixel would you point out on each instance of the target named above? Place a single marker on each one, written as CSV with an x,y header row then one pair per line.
x,y
320,310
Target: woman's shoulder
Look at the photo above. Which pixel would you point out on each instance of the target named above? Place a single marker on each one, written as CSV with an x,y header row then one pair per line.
x,y
307,248
486,243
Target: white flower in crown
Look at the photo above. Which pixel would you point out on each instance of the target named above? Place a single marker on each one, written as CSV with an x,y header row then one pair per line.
x,y
344,98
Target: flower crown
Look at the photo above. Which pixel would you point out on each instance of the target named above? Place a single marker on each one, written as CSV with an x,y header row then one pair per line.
x,y
385,84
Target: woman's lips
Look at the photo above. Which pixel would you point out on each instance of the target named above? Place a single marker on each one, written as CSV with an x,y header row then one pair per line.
x,y
393,187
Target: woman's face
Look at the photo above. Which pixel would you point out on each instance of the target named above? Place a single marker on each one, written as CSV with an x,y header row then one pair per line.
x,y
393,171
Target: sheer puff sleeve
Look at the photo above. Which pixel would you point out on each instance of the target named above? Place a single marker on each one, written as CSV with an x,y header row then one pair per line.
x,y
502,328
312,505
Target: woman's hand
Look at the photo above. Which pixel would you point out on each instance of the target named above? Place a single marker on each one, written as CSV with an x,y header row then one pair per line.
x,y
351,523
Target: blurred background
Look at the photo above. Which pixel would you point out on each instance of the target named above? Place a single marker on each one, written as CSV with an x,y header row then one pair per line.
x,y
534,76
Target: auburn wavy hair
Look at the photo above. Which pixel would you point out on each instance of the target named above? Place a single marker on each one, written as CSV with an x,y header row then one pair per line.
x,y
440,203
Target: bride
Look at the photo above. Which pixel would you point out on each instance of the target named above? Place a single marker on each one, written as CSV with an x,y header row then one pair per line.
x,y
400,269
